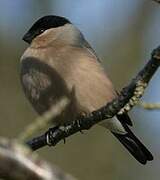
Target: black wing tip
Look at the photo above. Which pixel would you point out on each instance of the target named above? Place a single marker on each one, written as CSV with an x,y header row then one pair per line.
x,y
143,162
135,147
129,140
148,158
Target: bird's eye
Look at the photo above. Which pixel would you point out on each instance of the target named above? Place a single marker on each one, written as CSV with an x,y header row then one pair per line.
x,y
41,30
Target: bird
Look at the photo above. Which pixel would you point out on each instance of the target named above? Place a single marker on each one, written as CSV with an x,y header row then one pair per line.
x,y
59,62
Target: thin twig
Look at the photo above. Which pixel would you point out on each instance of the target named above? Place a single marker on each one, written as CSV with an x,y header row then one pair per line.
x,y
45,120
149,106
158,1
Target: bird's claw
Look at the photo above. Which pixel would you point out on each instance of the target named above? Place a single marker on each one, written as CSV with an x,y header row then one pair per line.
x,y
51,134
79,126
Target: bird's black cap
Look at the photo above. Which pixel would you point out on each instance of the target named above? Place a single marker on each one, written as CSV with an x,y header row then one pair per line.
x,y
43,24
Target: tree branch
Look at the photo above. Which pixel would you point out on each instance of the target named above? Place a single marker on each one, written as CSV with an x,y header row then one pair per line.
x,y
17,162
127,98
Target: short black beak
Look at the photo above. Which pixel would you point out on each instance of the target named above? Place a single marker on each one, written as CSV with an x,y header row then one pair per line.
x,y
27,38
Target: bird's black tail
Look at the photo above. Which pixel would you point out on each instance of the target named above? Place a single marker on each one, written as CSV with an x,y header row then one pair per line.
x,y
134,146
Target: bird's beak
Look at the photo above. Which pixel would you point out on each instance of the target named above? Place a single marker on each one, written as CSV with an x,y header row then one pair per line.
x,y
27,38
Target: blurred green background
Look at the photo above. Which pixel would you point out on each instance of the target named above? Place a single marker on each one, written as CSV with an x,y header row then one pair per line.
x,y
123,33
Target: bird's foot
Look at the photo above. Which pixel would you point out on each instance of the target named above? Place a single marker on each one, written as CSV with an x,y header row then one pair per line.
x,y
78,123
52,134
